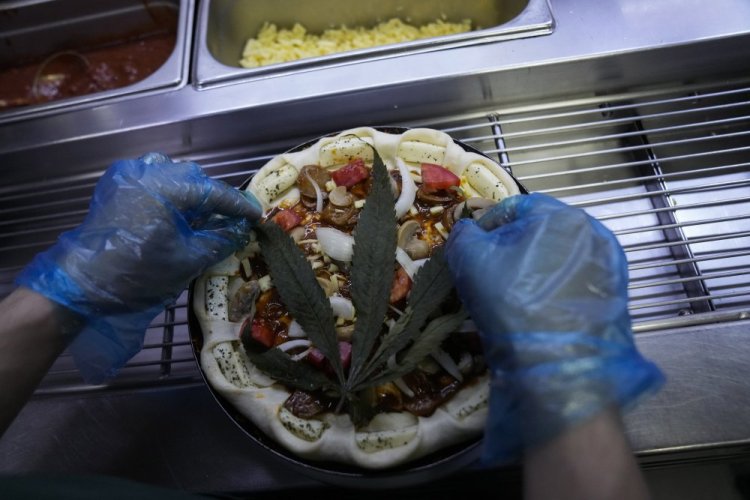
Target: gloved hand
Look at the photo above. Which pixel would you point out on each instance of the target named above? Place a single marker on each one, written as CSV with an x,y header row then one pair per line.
x,y
152,226
546,285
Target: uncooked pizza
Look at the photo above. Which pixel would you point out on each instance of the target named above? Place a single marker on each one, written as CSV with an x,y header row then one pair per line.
x,y
336,330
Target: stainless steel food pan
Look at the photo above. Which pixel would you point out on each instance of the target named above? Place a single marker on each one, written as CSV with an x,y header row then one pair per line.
x,y
33,29
225,26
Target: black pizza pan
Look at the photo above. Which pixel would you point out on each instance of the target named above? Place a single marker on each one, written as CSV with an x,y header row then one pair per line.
x,y
436,465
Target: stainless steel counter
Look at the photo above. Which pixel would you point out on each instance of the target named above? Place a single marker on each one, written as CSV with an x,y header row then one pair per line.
x,y
637,111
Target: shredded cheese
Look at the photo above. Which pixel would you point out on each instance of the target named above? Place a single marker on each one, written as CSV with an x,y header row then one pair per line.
x,y
274,45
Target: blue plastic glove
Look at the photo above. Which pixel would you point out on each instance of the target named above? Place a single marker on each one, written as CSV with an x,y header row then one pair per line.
x,y
546,285
152,226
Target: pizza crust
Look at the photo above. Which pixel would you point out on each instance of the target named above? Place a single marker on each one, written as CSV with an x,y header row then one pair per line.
x,y
390,439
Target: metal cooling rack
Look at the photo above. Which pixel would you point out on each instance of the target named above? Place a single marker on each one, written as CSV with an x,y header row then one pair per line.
x,y
667,170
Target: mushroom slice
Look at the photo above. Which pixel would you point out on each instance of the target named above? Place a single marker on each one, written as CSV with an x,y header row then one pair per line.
x,y
338,216
341,197
310,174
408,240
407,231
297,233
242,303
436,198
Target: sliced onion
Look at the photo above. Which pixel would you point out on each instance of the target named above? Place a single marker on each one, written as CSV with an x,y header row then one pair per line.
x,y
292,344
408,190
410,266
391,363
464,364
318,193
296,331
342,307
399,382
444,359
336,244
301,355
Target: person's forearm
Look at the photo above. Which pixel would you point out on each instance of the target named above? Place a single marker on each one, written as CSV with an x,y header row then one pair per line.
x,y
592,460
33,332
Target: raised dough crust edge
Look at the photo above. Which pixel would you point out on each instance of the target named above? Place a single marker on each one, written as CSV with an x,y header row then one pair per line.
x,y
338,441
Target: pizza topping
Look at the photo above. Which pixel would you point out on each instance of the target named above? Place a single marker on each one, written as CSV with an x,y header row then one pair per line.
x,y
339,216
429,392
389,397
316,358
260,332
342,307
409,266
352,173
318,193
407,190
440,197
295,330
447,363
287,219
242,303
410,242
441,229
311,179
345,332
329,285
438,178
297,349
305,405
341,197
297,234
401,285
336,244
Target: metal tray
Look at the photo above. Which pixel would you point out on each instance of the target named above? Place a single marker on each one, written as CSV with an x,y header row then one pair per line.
x,y
32,29
225,25
428,468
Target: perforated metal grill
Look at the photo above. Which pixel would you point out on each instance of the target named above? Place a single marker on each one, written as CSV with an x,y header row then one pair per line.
x,y
667,170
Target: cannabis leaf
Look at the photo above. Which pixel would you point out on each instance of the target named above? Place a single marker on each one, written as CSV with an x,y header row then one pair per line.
x,y
372,266
280,366
361,411
432,285
371,276
300,291
425,344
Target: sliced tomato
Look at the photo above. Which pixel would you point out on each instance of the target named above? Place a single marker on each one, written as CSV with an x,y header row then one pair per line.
x,y
352,173
287,219
345,350
319,361
315,357
261,332
401,285
435,177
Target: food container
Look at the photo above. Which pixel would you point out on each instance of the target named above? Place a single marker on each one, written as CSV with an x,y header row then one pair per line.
x,y
225,26
428,468
43,40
